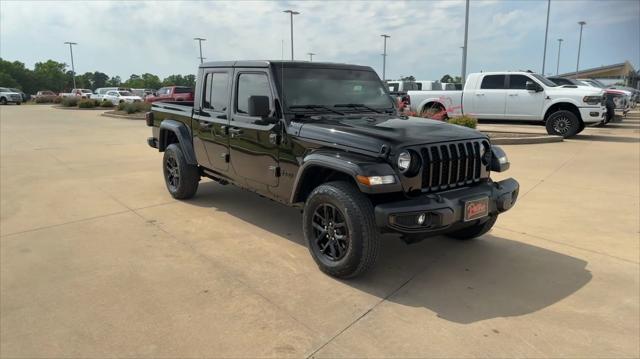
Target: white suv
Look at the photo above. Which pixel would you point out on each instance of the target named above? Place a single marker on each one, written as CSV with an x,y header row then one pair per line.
x,y
8,96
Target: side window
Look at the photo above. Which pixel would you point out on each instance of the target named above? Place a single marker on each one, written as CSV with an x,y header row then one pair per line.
x,y
493,82
216,93
250,85
518,82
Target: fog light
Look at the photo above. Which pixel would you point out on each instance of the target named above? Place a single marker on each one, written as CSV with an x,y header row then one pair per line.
x,y
594,114
421,218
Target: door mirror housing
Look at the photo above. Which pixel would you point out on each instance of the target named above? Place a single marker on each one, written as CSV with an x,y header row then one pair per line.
x,y
532,86
259,106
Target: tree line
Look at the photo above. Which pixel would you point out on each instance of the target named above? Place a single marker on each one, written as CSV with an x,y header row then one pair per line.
x,y
52,75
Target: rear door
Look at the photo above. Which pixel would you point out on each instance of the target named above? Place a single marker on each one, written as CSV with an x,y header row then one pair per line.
x,y
211,120
490,98
522,104
253,149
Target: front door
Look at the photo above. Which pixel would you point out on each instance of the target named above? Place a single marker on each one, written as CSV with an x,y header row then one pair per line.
x,y
211,120
523,104
490,99
253,150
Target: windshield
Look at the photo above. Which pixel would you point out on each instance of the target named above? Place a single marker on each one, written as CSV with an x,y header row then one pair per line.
x,y
544,80
125,93
331,87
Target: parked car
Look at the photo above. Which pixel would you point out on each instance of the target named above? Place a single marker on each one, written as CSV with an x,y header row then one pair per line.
x,y
24,96
8,96
46,95
171,93
571,83
142,92
82,93
327,138
621,98
425,85
520,96
99,93
117,97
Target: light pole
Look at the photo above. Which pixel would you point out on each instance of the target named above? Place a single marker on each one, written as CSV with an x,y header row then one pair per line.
x,y
73,69
546,32
291,13
200,40
384,56
464,48
581,23
558,65
310,56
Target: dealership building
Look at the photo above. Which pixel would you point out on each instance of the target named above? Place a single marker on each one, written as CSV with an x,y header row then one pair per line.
x,y
622,73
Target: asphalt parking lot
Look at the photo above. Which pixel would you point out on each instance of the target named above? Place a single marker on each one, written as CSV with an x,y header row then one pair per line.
x,y
97,260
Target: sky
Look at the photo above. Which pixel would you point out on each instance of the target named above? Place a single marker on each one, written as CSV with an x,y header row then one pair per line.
x,y
133,37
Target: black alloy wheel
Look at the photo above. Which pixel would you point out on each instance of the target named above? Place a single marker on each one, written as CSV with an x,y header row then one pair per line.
x,y
330,231
172,172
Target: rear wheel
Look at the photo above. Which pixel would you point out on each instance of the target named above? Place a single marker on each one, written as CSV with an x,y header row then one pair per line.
x,y
180,177
563,123
475,230
340,230
18,103
3,101
434,111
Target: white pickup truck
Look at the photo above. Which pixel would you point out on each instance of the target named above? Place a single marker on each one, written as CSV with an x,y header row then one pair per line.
x,y
520,96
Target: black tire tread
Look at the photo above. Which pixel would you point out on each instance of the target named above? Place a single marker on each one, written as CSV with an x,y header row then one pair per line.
x,y
572,132
189,174
362,213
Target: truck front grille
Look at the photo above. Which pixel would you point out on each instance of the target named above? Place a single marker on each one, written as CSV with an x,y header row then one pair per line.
x,y
452,165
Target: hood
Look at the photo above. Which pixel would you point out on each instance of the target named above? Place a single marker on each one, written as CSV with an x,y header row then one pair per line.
x,y
371,132
581,91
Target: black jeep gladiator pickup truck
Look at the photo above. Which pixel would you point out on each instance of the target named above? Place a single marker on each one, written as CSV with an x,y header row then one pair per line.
x,y
328,138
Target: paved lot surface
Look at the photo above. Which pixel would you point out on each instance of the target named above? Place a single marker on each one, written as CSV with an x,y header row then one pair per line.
x,y
98,261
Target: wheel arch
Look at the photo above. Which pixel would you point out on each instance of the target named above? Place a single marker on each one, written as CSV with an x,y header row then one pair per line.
x,y
560,106
172,131
319,168
430,102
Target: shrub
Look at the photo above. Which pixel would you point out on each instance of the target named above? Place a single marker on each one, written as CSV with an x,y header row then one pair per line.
x,y
96,103
121,106
44,100
57,99
134,107
465,120
69,102
106,104
86,104
130,108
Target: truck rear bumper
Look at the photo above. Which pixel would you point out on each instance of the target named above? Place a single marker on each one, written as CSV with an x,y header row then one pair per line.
x,y
444,212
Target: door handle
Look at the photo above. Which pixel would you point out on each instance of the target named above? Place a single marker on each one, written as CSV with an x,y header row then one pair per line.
x,y
479,94
204,124
513,94
222,117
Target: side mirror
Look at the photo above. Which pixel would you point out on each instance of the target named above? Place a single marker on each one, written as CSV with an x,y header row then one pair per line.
x,y
532,86
259,106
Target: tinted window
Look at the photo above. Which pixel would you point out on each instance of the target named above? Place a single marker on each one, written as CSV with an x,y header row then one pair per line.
x,y
494,82
251,85
418,86
393,87
182,90
518,82
216,93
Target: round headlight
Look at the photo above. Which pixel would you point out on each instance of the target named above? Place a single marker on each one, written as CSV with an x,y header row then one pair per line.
x,y
404,161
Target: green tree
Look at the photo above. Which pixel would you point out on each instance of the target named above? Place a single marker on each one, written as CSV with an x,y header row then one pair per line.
x,y
15,74
115,81
100,79
190,80
134,81
173,80
151,81
50,75
446,79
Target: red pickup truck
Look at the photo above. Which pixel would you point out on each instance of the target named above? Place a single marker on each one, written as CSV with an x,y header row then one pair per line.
x,y
171,93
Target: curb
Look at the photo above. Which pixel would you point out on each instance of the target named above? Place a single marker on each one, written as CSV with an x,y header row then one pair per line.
x,y
78,109
121,116
525,140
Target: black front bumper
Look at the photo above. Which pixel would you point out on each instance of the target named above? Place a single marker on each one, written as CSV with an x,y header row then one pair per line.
x,y
444,211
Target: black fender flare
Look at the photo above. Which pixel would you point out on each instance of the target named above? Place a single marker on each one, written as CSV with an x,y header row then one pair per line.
x,y
350,164
185,141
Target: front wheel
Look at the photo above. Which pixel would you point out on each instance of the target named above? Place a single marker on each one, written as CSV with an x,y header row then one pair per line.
x,y
18,103
180,177
3,101
475,230
563,123
340,230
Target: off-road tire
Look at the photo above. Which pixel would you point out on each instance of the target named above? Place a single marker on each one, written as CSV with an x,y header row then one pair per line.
x,y
563,123
174,163
363,241
475,230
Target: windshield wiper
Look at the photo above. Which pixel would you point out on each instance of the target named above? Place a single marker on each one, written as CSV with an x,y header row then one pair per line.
x,y
354,105
316,108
